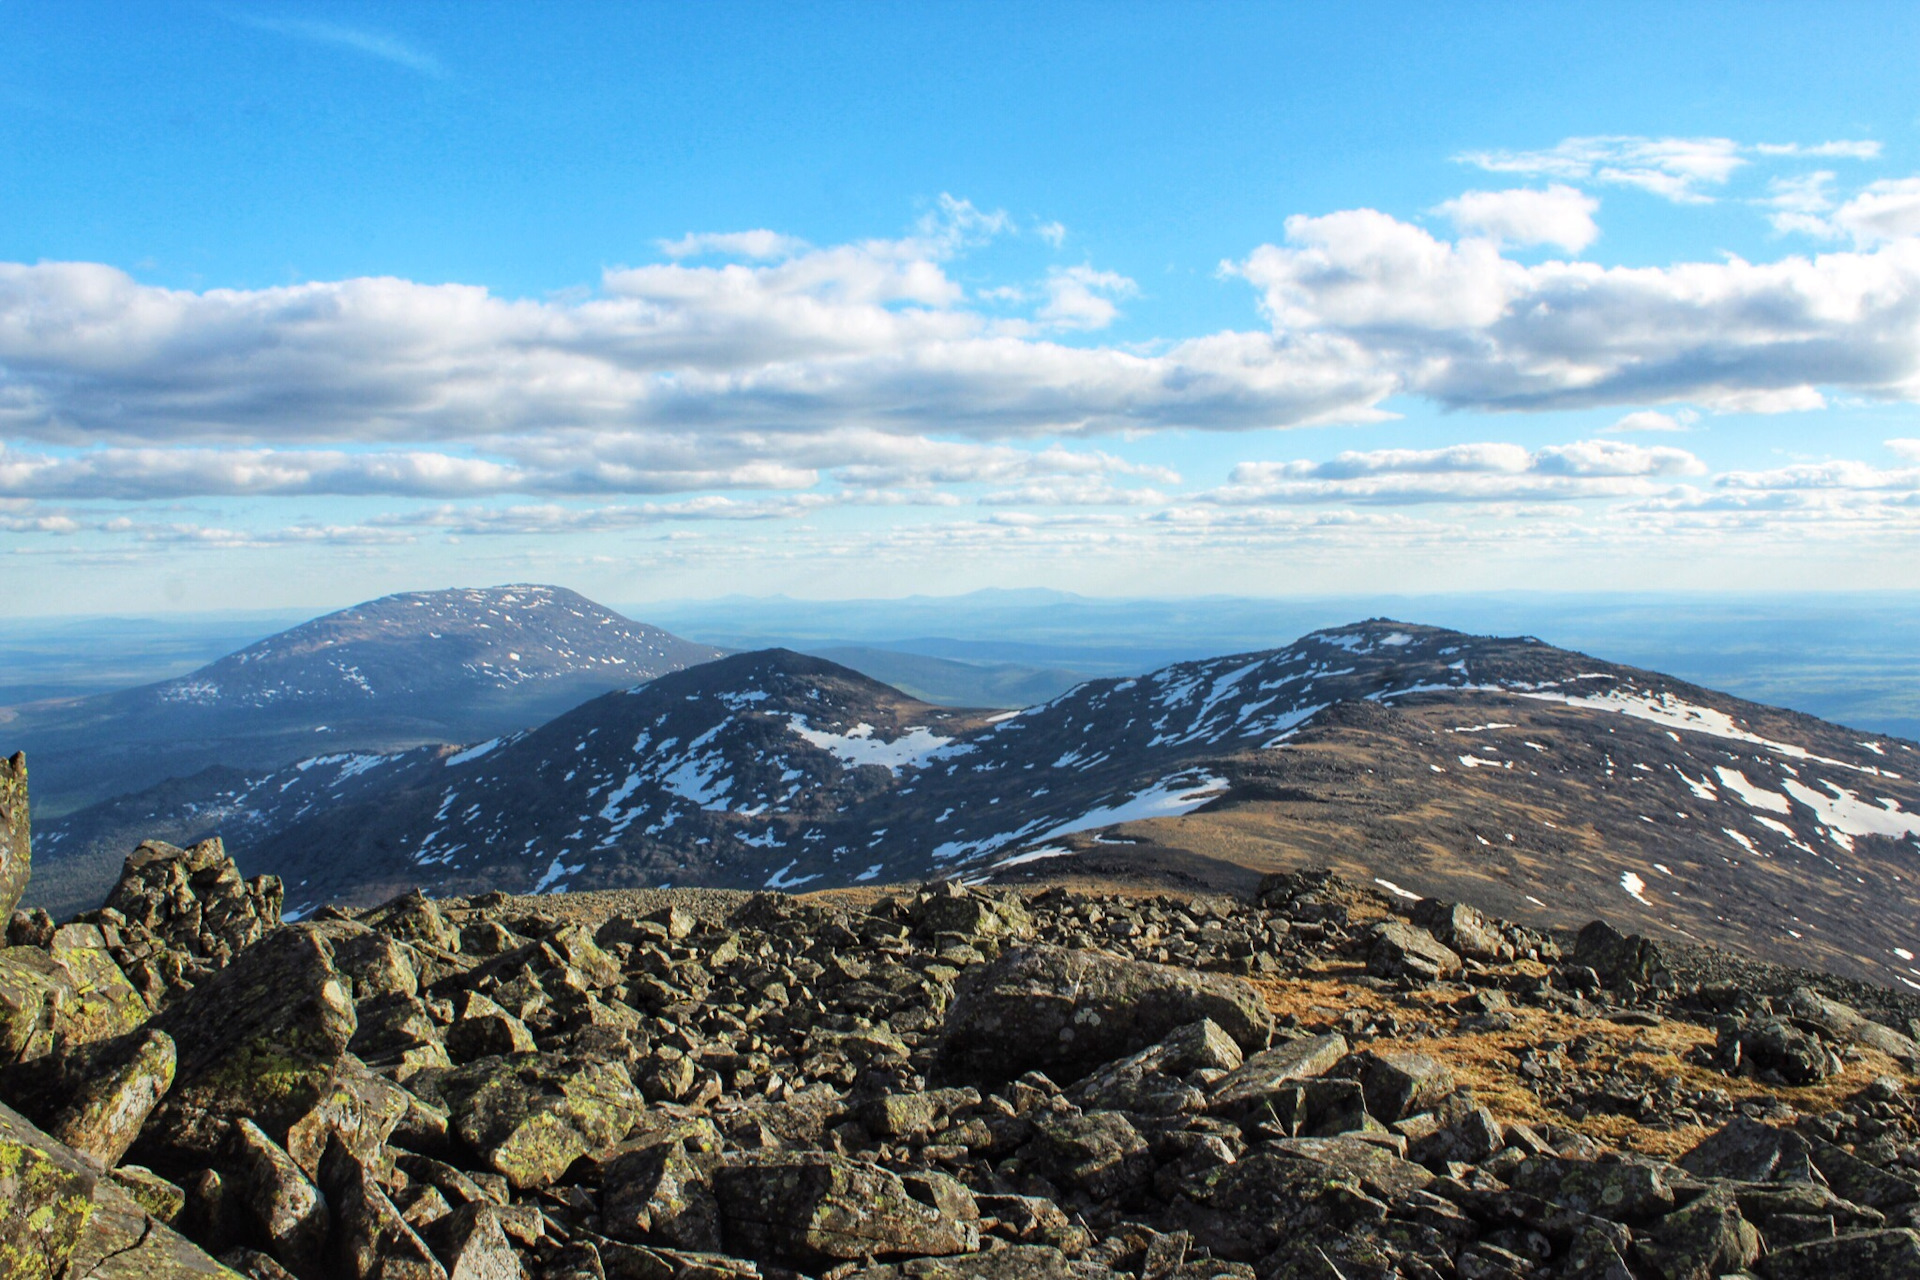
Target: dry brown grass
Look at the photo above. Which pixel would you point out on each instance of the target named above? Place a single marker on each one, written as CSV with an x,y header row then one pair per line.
x,y
1487,1062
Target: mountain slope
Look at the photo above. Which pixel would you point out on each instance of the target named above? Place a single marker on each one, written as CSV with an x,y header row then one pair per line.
x,y
393,673
1543,784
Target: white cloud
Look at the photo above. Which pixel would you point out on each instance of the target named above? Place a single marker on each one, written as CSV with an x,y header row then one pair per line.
x,y
374,44
760,244
1083,298
1484,472
1675,168
1908,449
1560,215
1470,328
1885,211
1650,420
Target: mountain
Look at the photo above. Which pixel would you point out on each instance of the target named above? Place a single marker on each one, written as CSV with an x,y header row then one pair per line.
x,y
394,673
1005,685
1545,785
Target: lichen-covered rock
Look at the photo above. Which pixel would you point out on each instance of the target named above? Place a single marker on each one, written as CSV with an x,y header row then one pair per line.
x,y
16,852
1244,1094
370,1240
1619,1190
1066,1012
284,1208
1706,1239
1397,950
664,1194
95,1097
808,1207
1399,1084
528,1117
1621,960
61,1217
1154,1081
475,1246
163,1199
1744,1150
355,1106
186,912
1892,1254
1101,1154
950,907
32,989
99,1002
262,1038
1460,928
414,917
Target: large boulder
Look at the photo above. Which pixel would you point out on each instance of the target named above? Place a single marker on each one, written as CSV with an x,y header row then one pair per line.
x,y
15,845
262,1038
95,1097
67,993
61,1216
812,1207
1396,950
530,1116
1066,1012
1893,1254
1248,1093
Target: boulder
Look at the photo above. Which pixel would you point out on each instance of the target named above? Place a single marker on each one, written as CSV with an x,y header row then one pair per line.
x,y
1619,1190
1396,950
1706,1239
664,1194
370,1240
1100,1154
1745,1150
475,1246
194,906
1892,1254
1621,960
814,1207
1844,1023
949,907
1460,928
1000,1262
95,1097
16,855
530,1116
1153,1081
61,1217
1245,1095
1066,1012
262,1038
1399,1084
284,1209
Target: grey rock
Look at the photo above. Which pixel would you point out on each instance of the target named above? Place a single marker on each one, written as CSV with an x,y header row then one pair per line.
x,y
1067,1012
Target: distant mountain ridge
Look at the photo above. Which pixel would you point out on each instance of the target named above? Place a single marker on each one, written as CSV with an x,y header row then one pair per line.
x,y
1544,784
408,669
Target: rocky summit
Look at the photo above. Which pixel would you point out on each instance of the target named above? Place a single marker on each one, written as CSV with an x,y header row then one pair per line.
x,y
943,1082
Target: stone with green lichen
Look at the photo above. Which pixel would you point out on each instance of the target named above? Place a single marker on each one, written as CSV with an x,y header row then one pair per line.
x,y
31,992
100,1003
358,1107
809,1207
61,1217
94,1097
530,1116
262,1038
15,846
150,1191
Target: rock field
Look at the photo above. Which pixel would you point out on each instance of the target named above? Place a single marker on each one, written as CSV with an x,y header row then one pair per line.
x,y
933,1083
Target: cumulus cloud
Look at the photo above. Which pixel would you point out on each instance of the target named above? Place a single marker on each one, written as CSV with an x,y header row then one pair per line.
x,y
1559,215
1461,323
1486,472
1083,298
567,464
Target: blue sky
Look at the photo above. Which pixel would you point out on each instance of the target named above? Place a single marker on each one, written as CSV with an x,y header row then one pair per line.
x,y
302,304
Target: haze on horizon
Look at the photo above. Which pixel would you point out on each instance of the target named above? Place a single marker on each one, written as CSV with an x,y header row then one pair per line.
x,y
307,305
